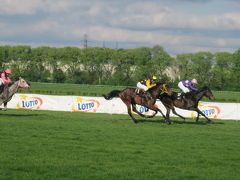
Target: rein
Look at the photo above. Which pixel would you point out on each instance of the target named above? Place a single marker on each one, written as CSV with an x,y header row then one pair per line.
x,y
164,88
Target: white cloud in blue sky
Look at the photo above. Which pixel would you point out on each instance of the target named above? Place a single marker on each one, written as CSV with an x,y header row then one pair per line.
x,y
180,26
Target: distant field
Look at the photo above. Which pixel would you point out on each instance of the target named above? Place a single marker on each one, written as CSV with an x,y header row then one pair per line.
x,y
98,90
67,145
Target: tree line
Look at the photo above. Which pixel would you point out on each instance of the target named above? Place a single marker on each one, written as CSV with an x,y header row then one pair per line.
x,y
106,66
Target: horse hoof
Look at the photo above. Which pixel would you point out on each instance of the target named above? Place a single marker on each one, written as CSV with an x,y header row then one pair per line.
x,y
136,121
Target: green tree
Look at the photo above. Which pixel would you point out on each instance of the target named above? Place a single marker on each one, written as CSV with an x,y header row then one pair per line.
x,y
236,70
222,70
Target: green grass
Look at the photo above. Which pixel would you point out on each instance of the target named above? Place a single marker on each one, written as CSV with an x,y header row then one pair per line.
x,y
98,90
70,89
67,145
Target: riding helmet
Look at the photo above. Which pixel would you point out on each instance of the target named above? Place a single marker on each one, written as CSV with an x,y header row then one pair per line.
x,y
8,71
194,81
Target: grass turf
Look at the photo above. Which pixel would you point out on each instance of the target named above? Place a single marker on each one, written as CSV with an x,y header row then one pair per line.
x,y
68,145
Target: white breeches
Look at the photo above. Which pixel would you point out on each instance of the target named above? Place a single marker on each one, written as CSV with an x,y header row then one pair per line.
x,y
182,87
141,86
1,82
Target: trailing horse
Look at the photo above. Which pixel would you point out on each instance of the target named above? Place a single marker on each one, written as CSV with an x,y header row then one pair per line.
x,y
189,102
130,98
10,90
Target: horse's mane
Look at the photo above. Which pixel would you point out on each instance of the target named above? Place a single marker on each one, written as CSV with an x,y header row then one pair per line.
x,y
204,88
10,84
17,79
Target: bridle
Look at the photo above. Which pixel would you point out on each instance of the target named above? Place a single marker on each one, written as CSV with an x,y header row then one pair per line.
x,y
20,84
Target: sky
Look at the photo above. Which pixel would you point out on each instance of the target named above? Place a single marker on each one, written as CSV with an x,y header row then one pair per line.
x,y
180,26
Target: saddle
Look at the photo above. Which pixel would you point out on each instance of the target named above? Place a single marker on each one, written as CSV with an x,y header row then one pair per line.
x,y
142,93
181,95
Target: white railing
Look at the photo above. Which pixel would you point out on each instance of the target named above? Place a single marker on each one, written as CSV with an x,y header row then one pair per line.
x,y
114,106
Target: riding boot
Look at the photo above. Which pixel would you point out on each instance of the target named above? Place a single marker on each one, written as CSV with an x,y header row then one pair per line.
x,y
142,94
182,96
1,88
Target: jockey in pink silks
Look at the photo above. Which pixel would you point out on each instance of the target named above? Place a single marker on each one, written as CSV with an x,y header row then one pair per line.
x,y
5,78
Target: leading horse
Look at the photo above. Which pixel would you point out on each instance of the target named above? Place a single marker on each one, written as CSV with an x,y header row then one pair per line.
x,y
189,102
10,90
131,98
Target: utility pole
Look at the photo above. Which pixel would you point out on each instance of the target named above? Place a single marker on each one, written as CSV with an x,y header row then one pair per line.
x,y
85,41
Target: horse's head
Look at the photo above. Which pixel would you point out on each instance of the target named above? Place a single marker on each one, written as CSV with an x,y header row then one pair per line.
x,y
208,93
166,89
23,84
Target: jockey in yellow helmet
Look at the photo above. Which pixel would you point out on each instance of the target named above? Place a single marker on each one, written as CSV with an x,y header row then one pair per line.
x,y
147,83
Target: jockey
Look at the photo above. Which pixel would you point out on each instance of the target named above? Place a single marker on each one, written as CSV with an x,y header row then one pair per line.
x,y
187,85
5,78
147,83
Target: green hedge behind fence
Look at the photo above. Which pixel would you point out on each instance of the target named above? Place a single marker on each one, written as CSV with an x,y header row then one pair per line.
x,y
98,90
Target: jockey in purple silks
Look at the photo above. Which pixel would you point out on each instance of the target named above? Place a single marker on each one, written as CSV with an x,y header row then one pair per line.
x,y
187,85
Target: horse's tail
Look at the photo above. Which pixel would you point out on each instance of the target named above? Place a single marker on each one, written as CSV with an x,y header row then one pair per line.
x,y
112,94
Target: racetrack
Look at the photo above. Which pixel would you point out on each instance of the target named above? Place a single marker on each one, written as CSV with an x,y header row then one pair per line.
x,y
67,145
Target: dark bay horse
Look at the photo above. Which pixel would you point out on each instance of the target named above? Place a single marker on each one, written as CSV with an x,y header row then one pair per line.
x,y
10,90
130,98
190,102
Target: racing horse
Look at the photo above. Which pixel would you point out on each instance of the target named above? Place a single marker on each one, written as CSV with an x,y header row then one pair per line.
x,y
131,98
189,102
11,89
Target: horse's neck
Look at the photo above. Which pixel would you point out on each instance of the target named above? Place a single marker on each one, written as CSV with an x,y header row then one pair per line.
x,y
154,92
199,95
13,88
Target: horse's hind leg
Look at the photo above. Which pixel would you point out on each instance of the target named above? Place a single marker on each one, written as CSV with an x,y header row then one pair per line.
x,y
174,112
167,119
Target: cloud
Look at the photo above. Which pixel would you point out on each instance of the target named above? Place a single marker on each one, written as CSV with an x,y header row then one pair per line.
x,y
173,24
167,17
14,7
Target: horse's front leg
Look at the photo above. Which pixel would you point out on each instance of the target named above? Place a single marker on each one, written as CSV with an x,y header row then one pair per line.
x,y
5,106
145,105
200,112
197,117
154,108
161,113
174,112
136,111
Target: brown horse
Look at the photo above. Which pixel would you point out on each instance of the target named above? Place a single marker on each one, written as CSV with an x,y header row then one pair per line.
x,y
189,102
130,98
